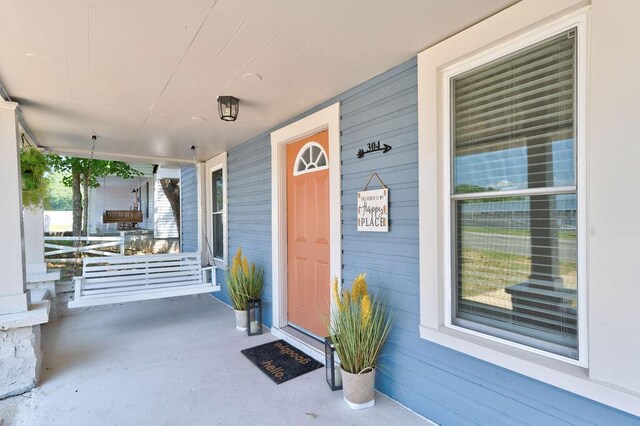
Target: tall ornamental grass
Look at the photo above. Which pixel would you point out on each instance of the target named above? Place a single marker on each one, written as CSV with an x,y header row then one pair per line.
x,y
244,281
360,324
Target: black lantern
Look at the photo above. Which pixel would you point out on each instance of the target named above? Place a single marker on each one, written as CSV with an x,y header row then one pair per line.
x,y
254,317
228,107
332,369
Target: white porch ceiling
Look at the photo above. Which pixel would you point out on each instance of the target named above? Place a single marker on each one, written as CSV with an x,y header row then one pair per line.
x,y
136,72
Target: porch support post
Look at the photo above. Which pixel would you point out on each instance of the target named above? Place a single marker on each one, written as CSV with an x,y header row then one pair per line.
x,y
13,297
20,356
543,222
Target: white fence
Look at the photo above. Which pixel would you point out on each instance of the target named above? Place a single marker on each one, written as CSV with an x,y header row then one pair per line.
x,y
79,245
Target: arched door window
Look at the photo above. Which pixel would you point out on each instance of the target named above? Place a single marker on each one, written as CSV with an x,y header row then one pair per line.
x,y
311,158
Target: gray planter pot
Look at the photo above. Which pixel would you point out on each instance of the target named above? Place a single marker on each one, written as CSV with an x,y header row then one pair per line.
x,y
241,320
358,390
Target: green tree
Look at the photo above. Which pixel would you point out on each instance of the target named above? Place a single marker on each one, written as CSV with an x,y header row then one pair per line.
x,y
81,174
59,195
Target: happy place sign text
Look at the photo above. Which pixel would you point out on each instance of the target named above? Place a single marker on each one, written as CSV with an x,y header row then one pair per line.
x,y
373,210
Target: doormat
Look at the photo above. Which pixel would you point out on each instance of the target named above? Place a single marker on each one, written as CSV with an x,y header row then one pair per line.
x,y
281,361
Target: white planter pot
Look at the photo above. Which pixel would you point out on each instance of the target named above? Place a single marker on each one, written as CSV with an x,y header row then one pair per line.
x,y
357,389
241,320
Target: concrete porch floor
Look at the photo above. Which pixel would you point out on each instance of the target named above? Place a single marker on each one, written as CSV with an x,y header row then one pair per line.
x,y
173,362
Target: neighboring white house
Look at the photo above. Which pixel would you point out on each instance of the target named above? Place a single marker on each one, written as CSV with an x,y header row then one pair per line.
x,y
164,225
58,221
142,193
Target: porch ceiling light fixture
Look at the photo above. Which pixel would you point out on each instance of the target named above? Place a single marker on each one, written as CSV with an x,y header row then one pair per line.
x,y
228,107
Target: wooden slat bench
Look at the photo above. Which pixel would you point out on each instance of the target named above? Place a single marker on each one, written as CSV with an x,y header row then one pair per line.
x,y
120,216
118,279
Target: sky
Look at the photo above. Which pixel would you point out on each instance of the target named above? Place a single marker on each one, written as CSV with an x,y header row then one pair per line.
x,y
507,169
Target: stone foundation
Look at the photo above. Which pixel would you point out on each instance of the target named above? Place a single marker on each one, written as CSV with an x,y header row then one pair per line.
x,y
20,360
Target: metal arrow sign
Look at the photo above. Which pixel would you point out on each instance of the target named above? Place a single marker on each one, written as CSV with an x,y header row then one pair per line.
x,y
373,147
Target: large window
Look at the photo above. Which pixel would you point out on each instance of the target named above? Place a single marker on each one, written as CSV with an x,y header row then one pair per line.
x,y
513,197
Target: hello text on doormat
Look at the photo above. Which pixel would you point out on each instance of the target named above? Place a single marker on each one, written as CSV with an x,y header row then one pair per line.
x,y
280,361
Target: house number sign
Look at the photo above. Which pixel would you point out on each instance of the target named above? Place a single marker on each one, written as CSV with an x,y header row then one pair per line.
x,y
373,147
373,210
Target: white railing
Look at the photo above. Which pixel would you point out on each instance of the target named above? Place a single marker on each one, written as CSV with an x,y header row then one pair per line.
x,y
92,245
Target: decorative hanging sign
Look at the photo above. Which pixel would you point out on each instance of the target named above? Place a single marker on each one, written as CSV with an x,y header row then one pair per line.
x,y
373,208
373,147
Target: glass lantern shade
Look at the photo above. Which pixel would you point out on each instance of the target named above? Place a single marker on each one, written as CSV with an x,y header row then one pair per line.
x,y
254,317
228,107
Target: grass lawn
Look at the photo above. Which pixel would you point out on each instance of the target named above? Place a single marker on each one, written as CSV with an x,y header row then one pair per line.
x,y
485,271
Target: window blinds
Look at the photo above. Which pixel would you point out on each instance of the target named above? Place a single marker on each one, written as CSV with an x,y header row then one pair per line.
x,y
528,94
515,256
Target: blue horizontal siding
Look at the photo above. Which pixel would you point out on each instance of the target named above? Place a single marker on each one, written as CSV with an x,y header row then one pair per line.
x,y
189,210
444,385
249,211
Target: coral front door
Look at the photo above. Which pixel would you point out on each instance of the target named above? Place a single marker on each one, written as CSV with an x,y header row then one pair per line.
x,y
308,289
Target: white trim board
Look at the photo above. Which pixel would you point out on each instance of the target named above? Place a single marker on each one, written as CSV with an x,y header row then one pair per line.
x,y
202,210
180,227
214,164
325,119
445,75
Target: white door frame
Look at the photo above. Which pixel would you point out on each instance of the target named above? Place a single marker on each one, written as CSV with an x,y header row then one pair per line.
x,y
325,119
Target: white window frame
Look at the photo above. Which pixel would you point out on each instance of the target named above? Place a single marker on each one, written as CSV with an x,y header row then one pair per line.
x,y
306,146
219,162
514,28
447,74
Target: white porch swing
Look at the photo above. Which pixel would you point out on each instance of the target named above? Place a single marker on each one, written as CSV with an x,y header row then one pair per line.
x,y
118,279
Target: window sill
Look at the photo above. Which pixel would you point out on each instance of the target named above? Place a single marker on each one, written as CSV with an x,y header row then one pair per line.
x,y
554,372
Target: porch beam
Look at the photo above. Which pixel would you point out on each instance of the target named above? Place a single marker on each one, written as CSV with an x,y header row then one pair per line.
x,y
127,158
13,297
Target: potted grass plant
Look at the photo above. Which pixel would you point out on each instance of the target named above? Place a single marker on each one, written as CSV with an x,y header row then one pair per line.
x,y
359,326
244,282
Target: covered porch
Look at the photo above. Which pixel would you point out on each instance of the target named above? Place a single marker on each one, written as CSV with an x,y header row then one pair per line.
x,y
503,137
173,361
